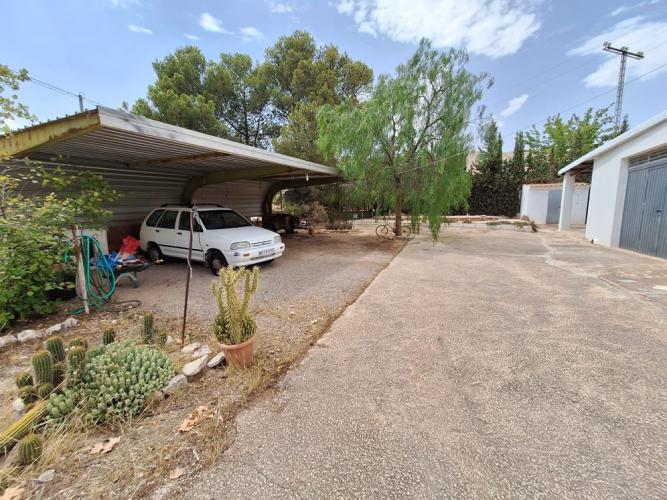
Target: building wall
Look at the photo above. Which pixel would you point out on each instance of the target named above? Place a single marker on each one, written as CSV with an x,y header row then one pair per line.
x,y
609,181
535,202
246,197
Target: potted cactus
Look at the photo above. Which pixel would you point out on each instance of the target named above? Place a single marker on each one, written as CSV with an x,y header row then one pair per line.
x,y
235,325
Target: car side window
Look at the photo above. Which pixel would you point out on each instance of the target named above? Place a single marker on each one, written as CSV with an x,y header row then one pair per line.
x,y
154,217
184,223
168,220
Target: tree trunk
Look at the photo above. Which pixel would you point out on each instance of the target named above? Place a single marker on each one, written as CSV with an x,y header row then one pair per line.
x,y
399,208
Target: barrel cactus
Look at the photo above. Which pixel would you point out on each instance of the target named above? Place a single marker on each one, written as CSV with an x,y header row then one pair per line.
x,y
23,379
118,382
78,342
43,390
76,364
30,448
148,333
59,370
27,394
22,426
42,367
56,347
108,336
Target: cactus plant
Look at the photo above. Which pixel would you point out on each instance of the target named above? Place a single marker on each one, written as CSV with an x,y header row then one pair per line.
x,y
162,338
148,333
27,394
59,370
56,347
6,475
78,342
22,426
234,324
76,363
42,367
30,448
23,379
43,390
108,336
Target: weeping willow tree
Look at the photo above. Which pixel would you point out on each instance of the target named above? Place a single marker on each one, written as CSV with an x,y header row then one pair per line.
x,y
406,146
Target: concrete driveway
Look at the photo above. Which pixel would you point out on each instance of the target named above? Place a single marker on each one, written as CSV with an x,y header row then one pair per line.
x,y
493,364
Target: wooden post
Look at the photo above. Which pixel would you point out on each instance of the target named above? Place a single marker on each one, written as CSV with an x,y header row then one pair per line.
x,y
187,279
80,271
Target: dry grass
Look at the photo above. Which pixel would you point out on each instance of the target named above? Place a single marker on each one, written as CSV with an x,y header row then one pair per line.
x,y
151,446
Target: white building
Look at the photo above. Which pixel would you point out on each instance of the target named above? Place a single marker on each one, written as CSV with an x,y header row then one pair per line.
x,y
541,203
628,199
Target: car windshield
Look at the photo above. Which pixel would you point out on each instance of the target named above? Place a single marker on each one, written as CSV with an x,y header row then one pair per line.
x,y
222,219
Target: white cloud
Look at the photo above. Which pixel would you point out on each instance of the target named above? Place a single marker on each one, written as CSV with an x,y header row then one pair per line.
x,y
139,29
250,33
210,23
279,7
124,4
514,105
636,33
625,8
192,37
494,28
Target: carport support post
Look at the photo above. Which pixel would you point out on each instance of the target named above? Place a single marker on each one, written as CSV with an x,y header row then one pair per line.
x,y
567,198
187,280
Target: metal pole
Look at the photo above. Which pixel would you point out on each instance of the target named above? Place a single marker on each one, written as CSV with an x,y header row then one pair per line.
x,y
80,270
187,279
80,102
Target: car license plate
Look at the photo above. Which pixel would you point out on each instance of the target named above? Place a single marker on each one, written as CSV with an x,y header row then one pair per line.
x,y
268,251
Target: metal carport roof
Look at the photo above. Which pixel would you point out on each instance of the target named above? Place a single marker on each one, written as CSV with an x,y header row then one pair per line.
x,y
108,138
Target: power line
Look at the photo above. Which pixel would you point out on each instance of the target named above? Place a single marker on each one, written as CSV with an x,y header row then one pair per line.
x,y
80,96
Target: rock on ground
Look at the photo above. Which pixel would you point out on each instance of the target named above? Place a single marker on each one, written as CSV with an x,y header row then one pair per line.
x,y
216,360
202,351
175,384
70,323
29,335
54,329
46,476
195,367
7,340
190,348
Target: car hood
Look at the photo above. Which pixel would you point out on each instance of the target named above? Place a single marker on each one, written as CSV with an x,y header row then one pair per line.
x,y
252,234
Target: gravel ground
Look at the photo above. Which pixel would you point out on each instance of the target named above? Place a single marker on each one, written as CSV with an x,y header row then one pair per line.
x,y
494,364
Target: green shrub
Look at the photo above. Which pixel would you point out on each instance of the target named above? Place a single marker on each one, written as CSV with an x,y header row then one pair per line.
x,y
33,242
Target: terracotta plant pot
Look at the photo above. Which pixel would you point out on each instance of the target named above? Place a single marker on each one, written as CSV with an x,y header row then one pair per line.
x,y
241,355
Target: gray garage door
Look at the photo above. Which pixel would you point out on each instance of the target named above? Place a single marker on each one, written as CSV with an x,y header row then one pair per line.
x,y
644,227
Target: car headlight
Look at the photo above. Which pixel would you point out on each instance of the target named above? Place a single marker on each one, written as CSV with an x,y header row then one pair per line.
x,y
277,239
240,245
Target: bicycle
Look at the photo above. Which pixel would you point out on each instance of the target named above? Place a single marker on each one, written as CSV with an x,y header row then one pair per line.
x,y
383,230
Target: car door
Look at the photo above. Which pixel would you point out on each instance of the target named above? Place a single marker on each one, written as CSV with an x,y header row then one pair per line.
x,y
182,237
165,232
148,228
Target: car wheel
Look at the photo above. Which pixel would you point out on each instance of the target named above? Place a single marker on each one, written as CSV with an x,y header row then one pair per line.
x,y
154,252
216,261
271,227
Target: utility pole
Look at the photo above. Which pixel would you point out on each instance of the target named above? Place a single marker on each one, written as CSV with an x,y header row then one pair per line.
x,y
80,102
624,52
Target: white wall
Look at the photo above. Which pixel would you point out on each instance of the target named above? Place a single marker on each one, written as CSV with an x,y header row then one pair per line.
x,y
610,177
535,201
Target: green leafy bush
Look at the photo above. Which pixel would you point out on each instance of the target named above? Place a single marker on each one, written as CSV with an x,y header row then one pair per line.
x,y
34,233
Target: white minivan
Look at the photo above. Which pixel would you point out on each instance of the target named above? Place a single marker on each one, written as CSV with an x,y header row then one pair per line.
x,y
221,237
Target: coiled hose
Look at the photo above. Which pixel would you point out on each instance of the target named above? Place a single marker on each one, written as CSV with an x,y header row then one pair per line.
x,y
99,277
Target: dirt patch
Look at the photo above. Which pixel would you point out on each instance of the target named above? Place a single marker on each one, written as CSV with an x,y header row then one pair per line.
x,y
299,296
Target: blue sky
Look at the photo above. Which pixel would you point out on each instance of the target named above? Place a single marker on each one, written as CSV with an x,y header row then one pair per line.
x,y
545,55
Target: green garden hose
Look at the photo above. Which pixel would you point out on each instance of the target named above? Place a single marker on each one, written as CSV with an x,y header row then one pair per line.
x,y
99,278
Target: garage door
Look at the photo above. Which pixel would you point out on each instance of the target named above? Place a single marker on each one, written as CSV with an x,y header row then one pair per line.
x,y
644,227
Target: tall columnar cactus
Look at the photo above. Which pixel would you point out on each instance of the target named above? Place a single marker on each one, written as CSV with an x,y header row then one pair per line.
x,y
108,336
44,390
234,323
22,426
23,379
30,448
78,342
59,370
148,333
76,364
42,367
56,347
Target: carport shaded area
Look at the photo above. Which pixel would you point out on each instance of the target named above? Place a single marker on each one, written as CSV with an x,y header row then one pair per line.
x,y
153,163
